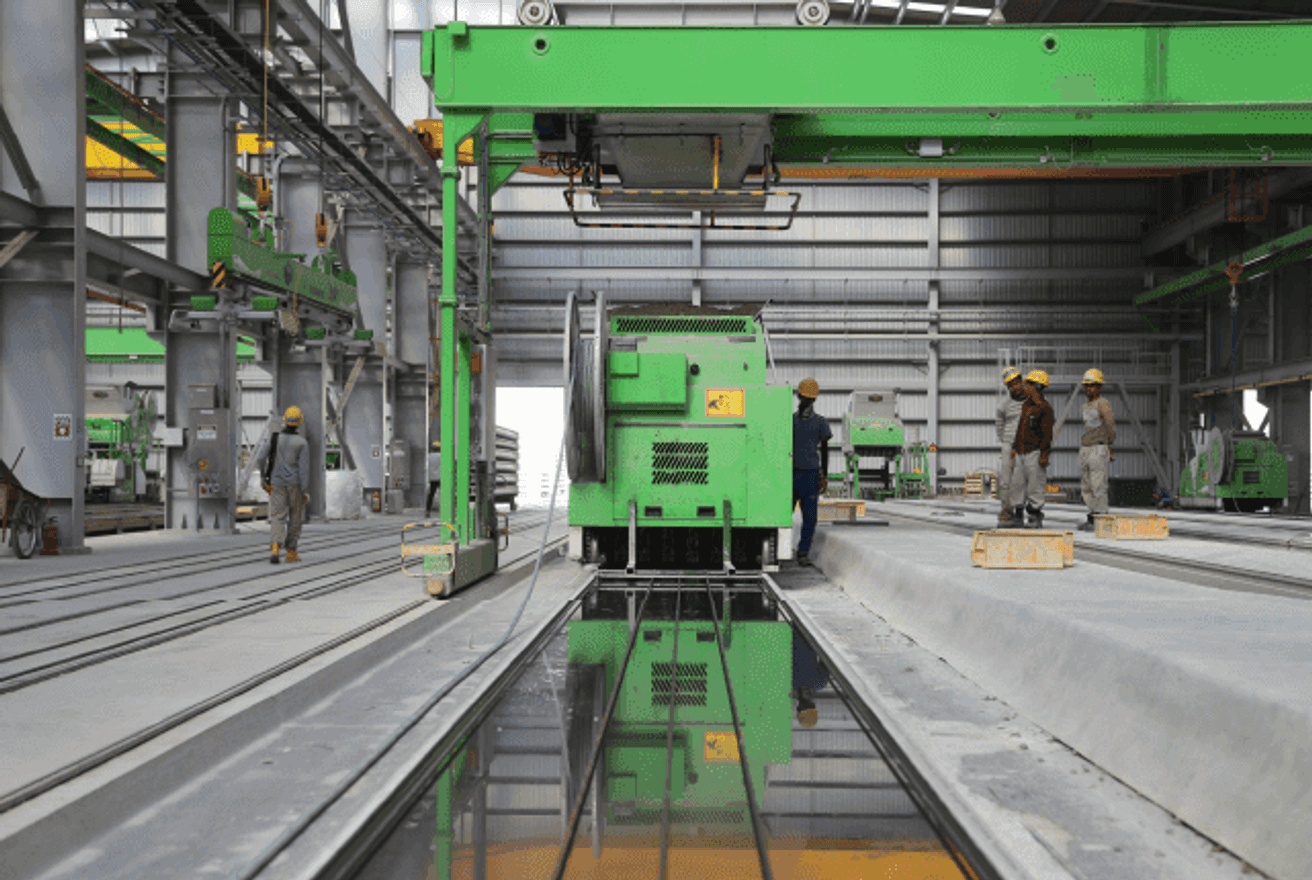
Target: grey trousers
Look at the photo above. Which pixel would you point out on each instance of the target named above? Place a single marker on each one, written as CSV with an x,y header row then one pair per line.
x,y
1029,479
1095,471
1009,473
286,510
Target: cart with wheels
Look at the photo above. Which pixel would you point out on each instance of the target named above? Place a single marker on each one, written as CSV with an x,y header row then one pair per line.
x,y
21,512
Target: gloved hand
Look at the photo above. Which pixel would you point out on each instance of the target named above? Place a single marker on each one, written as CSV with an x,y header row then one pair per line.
x,y
824,485
1043,459
1013,453
1111,454
268,488
307,499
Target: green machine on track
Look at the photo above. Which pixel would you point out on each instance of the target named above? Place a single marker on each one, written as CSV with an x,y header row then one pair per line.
x,y
679,449
1234,470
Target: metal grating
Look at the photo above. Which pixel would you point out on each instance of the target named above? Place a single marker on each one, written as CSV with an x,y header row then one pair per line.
x,y
692,684
676,463
639,325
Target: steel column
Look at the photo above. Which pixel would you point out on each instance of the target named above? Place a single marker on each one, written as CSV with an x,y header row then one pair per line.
x,y
366,253
411,332
43,289
411,425
200,175
300,195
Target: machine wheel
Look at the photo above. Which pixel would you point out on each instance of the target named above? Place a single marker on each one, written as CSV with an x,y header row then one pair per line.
x,y
24,530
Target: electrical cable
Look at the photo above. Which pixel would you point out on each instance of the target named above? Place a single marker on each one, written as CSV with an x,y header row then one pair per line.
x,y
288,836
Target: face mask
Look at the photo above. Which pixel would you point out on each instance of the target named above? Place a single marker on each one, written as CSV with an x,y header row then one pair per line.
x,y
1018,394
806,409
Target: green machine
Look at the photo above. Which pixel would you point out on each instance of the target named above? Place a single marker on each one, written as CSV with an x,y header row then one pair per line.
x,y
872,430
1234,470
119,438
679,450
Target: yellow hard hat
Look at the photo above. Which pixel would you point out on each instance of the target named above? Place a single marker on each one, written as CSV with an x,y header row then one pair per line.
x,y
1092,377
1038,377
1009,374
808,387
292,417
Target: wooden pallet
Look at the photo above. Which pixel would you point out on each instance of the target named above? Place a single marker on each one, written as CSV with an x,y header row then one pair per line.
x,y
1023,548
830,509
1130,526
974,485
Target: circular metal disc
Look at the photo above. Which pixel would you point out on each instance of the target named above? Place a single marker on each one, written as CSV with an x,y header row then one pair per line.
x,y
600,346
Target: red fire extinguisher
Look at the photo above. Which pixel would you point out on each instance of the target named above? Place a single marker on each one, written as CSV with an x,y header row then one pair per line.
x,y
376,505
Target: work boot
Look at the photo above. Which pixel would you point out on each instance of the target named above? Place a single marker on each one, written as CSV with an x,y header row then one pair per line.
x,y
273,553
1035,520
1018,517
803,559
1087,525
1004,517
292,555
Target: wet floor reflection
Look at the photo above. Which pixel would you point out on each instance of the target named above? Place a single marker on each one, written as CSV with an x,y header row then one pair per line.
x,y
828,805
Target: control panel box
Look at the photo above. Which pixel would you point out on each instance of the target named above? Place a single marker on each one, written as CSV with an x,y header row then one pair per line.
x,y
209,447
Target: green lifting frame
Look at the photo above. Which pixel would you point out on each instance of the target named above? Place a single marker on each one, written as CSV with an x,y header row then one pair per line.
x,y
1036,97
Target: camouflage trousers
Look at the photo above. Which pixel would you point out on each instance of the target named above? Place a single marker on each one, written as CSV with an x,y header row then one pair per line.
x,y
286,510
1095,471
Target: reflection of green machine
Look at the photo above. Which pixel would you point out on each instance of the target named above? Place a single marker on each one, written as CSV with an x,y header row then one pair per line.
x,y
678,448
706,783
1234,470
119,438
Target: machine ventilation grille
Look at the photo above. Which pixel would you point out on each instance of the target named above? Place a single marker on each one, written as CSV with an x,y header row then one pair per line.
x,y
720,326
692,684
677,463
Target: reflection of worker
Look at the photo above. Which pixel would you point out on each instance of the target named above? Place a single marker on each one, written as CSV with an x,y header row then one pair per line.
x,y
287,480
1031,447
1006,420
434,475
1095,448
808,677
811,433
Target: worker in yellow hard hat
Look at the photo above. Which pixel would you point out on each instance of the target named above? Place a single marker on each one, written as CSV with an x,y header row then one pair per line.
x,y
811,434
1032,446
286,476
1006,420
434,475
1095,447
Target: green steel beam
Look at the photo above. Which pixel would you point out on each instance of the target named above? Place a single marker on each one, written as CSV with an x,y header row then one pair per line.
x,y
103,97
1273,254
1141,72
125,147
1056,152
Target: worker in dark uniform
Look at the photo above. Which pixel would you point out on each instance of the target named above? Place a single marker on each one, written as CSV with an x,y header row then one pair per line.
x,y
286,477
811,433
434,476
1031,448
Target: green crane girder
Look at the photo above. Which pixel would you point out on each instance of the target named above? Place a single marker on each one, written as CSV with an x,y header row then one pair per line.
x,y
1275,254
1103,96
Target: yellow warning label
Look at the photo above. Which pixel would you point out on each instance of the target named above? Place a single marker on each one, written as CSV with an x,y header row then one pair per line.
x,y
721,748
726,402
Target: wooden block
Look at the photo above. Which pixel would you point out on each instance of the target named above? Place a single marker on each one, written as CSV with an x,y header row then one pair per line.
x,y
1130,527
830,509
1023,548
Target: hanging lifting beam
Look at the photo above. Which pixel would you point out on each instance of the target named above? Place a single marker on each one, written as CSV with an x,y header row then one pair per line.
x,y
1238,93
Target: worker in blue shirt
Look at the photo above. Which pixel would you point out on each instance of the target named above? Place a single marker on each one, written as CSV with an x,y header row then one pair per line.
x,y
811,433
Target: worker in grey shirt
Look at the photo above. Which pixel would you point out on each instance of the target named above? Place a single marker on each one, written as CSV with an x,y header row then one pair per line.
x,y
1096,452
1006,419
287,480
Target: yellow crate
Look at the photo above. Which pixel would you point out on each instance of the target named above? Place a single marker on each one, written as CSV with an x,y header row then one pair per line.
x,y
1130,527
1023,548
830,509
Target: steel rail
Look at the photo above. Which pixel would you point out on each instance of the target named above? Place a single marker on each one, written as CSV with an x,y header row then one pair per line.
x,y
964,852
669,741
752,809
102,756
43,672
576,812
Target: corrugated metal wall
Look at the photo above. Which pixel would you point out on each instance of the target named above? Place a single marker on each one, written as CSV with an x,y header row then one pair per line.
x,y
1044,274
